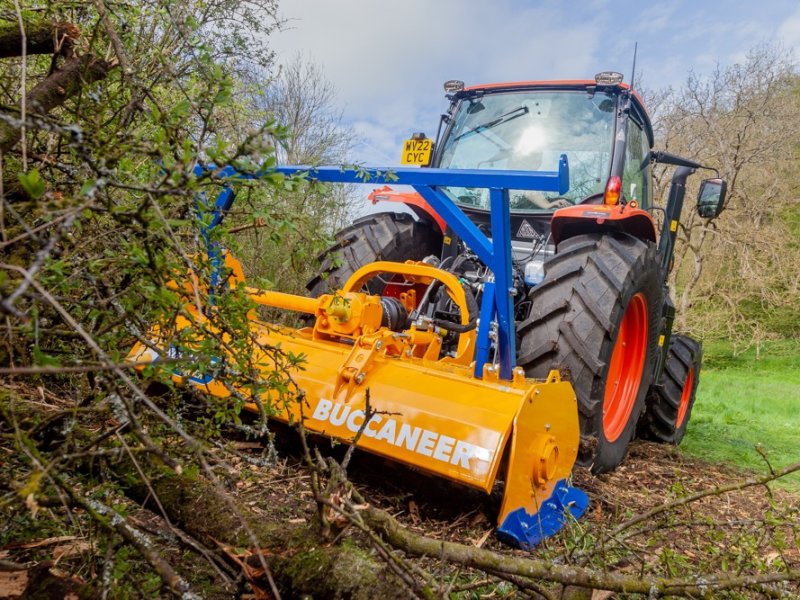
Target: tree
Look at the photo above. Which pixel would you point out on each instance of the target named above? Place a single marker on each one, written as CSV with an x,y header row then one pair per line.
x,y
300,98
744,120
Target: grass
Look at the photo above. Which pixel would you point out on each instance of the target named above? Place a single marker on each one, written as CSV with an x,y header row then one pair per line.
x,y
748,408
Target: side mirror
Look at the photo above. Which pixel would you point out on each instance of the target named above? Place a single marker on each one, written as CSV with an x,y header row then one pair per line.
x,y
711,198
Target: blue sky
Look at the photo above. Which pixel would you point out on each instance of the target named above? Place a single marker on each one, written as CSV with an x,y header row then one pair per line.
x,y
388,60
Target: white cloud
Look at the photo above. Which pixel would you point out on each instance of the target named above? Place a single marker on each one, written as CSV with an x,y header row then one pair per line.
x,y
388,60
789,30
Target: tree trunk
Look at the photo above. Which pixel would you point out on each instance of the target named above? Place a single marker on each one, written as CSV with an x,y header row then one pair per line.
x,y
300,561
43,37
54,90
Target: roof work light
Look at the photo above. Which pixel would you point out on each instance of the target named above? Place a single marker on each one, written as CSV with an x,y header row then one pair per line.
x,y
608,78
451,86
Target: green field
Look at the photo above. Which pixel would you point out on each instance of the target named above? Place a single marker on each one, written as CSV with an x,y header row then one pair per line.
x,y
745,405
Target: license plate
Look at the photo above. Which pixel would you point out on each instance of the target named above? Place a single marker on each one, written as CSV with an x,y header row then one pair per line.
x,y
417,152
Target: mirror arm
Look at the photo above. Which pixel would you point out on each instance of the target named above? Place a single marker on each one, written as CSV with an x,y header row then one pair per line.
x,y
677,192
667,158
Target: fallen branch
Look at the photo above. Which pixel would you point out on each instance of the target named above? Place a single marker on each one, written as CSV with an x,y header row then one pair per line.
x,y
300,562
492,562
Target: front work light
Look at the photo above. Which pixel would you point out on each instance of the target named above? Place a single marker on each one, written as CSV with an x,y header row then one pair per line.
x,y
451,86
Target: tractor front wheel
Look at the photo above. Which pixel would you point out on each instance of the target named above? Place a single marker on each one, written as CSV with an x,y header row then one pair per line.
x,y
596,317
388,236
669,405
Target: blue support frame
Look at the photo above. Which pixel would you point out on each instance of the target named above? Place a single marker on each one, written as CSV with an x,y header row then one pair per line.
x,y
495,253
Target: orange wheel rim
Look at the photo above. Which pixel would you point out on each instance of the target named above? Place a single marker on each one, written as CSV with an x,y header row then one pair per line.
x,y
685,396
626,367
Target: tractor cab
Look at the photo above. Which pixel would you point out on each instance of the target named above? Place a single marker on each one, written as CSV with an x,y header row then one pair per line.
x,y
601,126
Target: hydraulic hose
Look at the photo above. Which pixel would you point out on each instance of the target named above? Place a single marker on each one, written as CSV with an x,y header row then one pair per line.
x,y
472,309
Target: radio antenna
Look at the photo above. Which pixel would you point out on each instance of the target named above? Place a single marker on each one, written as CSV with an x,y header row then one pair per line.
x,y
633,68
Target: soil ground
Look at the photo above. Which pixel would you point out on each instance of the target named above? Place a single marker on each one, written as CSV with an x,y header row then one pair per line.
x,y
748,530
756,529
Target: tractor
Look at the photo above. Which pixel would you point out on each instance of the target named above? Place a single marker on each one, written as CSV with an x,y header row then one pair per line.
x,y
513,321
589,271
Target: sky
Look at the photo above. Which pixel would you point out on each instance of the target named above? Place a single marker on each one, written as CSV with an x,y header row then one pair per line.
x,y
389,59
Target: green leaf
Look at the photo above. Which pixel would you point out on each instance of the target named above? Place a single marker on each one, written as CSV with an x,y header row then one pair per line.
x,y
87,187
223,96
44,360
178,223
181,109
32,183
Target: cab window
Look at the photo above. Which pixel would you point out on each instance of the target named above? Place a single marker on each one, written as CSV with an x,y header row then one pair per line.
x,y
636,182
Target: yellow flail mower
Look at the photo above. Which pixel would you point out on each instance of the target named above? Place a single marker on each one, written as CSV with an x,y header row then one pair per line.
x,y
467,414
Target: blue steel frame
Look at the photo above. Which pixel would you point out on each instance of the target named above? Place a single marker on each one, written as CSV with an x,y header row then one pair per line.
x,y
495,253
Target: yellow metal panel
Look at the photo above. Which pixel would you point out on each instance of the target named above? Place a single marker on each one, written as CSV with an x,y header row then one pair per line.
x,y
544,445
440,420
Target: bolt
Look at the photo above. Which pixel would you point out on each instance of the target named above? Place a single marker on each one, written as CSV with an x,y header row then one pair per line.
x,y
490,369
408,352
359,378
512,291
537,391
378,345
547,426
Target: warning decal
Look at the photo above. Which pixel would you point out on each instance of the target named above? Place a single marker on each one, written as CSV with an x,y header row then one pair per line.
x,y
526,230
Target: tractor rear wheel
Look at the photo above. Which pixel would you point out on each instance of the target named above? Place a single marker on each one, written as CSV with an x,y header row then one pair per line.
x,y
596,317
669,405
383,236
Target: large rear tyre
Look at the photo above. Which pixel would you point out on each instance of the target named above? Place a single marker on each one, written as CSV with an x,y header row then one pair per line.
x,y
596,316
382,236
669,405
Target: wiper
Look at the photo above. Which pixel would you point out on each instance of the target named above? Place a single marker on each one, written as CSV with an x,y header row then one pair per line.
x,y
504,118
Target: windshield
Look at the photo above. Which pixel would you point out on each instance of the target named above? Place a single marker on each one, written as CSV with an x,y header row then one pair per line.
x,y
529,131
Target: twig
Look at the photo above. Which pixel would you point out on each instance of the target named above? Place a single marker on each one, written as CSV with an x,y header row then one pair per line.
x,y
112,520
30,232
526,584
23,84
21,371
111,32
369,412
248,530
